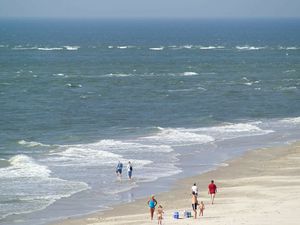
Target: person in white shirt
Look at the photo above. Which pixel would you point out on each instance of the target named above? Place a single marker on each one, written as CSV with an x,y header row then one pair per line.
x,y
195,189
129,170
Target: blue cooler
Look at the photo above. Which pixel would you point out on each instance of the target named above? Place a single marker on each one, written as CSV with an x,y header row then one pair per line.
x,y
176,215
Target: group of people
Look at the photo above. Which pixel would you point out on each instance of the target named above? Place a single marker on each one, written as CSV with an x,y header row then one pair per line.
x,y
212,190
119,170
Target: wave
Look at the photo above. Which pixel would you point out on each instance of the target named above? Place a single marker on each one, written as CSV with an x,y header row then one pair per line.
x,y
232,130
71,48
41,48
118,75
24,48
210,47
291,120
74,85
247,47
292,88
104,152
31,143
59,74
157,49
288,48
125,46
49,49
178,136
29,187
189,74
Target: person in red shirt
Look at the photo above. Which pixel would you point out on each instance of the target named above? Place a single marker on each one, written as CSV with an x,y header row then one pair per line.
x,y
212,190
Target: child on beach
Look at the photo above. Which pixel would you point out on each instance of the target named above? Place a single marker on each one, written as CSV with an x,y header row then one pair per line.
x,y
160,212
202,207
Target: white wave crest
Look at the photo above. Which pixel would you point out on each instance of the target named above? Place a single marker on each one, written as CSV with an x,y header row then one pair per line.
x,y
104,152
49,49
32,143
125,46
236,130
291,120
71,48
157,49
288,48
210,47
247,47
28,186
179,136
190,74
24,166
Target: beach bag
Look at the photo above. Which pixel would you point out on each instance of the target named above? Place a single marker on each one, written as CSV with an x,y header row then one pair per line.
x,y
176,215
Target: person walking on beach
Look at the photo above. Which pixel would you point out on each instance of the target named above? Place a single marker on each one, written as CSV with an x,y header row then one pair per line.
x,y
152,203
212,190
119,169
129,170
195,189
194,204
160,213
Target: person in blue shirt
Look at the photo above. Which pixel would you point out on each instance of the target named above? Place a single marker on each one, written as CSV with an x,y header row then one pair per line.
x,y
119,169
152,203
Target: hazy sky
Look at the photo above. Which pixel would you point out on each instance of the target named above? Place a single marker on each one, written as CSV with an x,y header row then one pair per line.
x,y
149,8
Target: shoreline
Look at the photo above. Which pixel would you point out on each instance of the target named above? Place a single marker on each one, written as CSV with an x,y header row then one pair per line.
x,y
242,182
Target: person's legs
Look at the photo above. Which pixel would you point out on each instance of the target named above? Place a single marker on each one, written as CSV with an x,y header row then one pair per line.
x,y
212,198
151,213
194,206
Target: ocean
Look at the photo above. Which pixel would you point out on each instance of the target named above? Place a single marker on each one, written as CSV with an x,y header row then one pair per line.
x,y
174,97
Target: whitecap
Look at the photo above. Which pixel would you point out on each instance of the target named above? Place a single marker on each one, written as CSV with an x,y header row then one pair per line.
x,y
190,74
292,88
157,49
24,48
247,47
71,48
291,120
74,85
122,47
59,74
31,143
187,46
210,47
29,187
233,130
49,49
179,136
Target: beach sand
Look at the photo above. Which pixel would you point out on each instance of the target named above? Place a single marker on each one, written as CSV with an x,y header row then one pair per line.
x,y
260,187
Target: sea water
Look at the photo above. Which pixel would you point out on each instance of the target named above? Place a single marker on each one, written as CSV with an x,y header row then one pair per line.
x,y
176,98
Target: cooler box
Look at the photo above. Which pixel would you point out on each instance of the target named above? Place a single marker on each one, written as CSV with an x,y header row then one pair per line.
x,y
176,215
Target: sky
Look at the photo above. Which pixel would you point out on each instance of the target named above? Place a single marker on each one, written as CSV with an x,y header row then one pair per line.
x,y
149,8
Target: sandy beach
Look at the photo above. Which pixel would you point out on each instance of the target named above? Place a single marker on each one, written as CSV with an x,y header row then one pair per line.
x,y
260,187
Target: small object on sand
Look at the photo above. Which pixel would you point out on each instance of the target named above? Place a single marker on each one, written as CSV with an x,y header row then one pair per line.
x,y
176,215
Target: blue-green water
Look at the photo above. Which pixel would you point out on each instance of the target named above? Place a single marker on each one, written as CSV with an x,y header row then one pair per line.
x,y
77,96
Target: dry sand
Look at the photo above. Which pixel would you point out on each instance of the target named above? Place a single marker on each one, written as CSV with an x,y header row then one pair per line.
x,y
261,187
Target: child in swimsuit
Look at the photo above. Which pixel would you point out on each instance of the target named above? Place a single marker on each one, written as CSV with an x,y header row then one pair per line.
x,y
160,212
202,207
